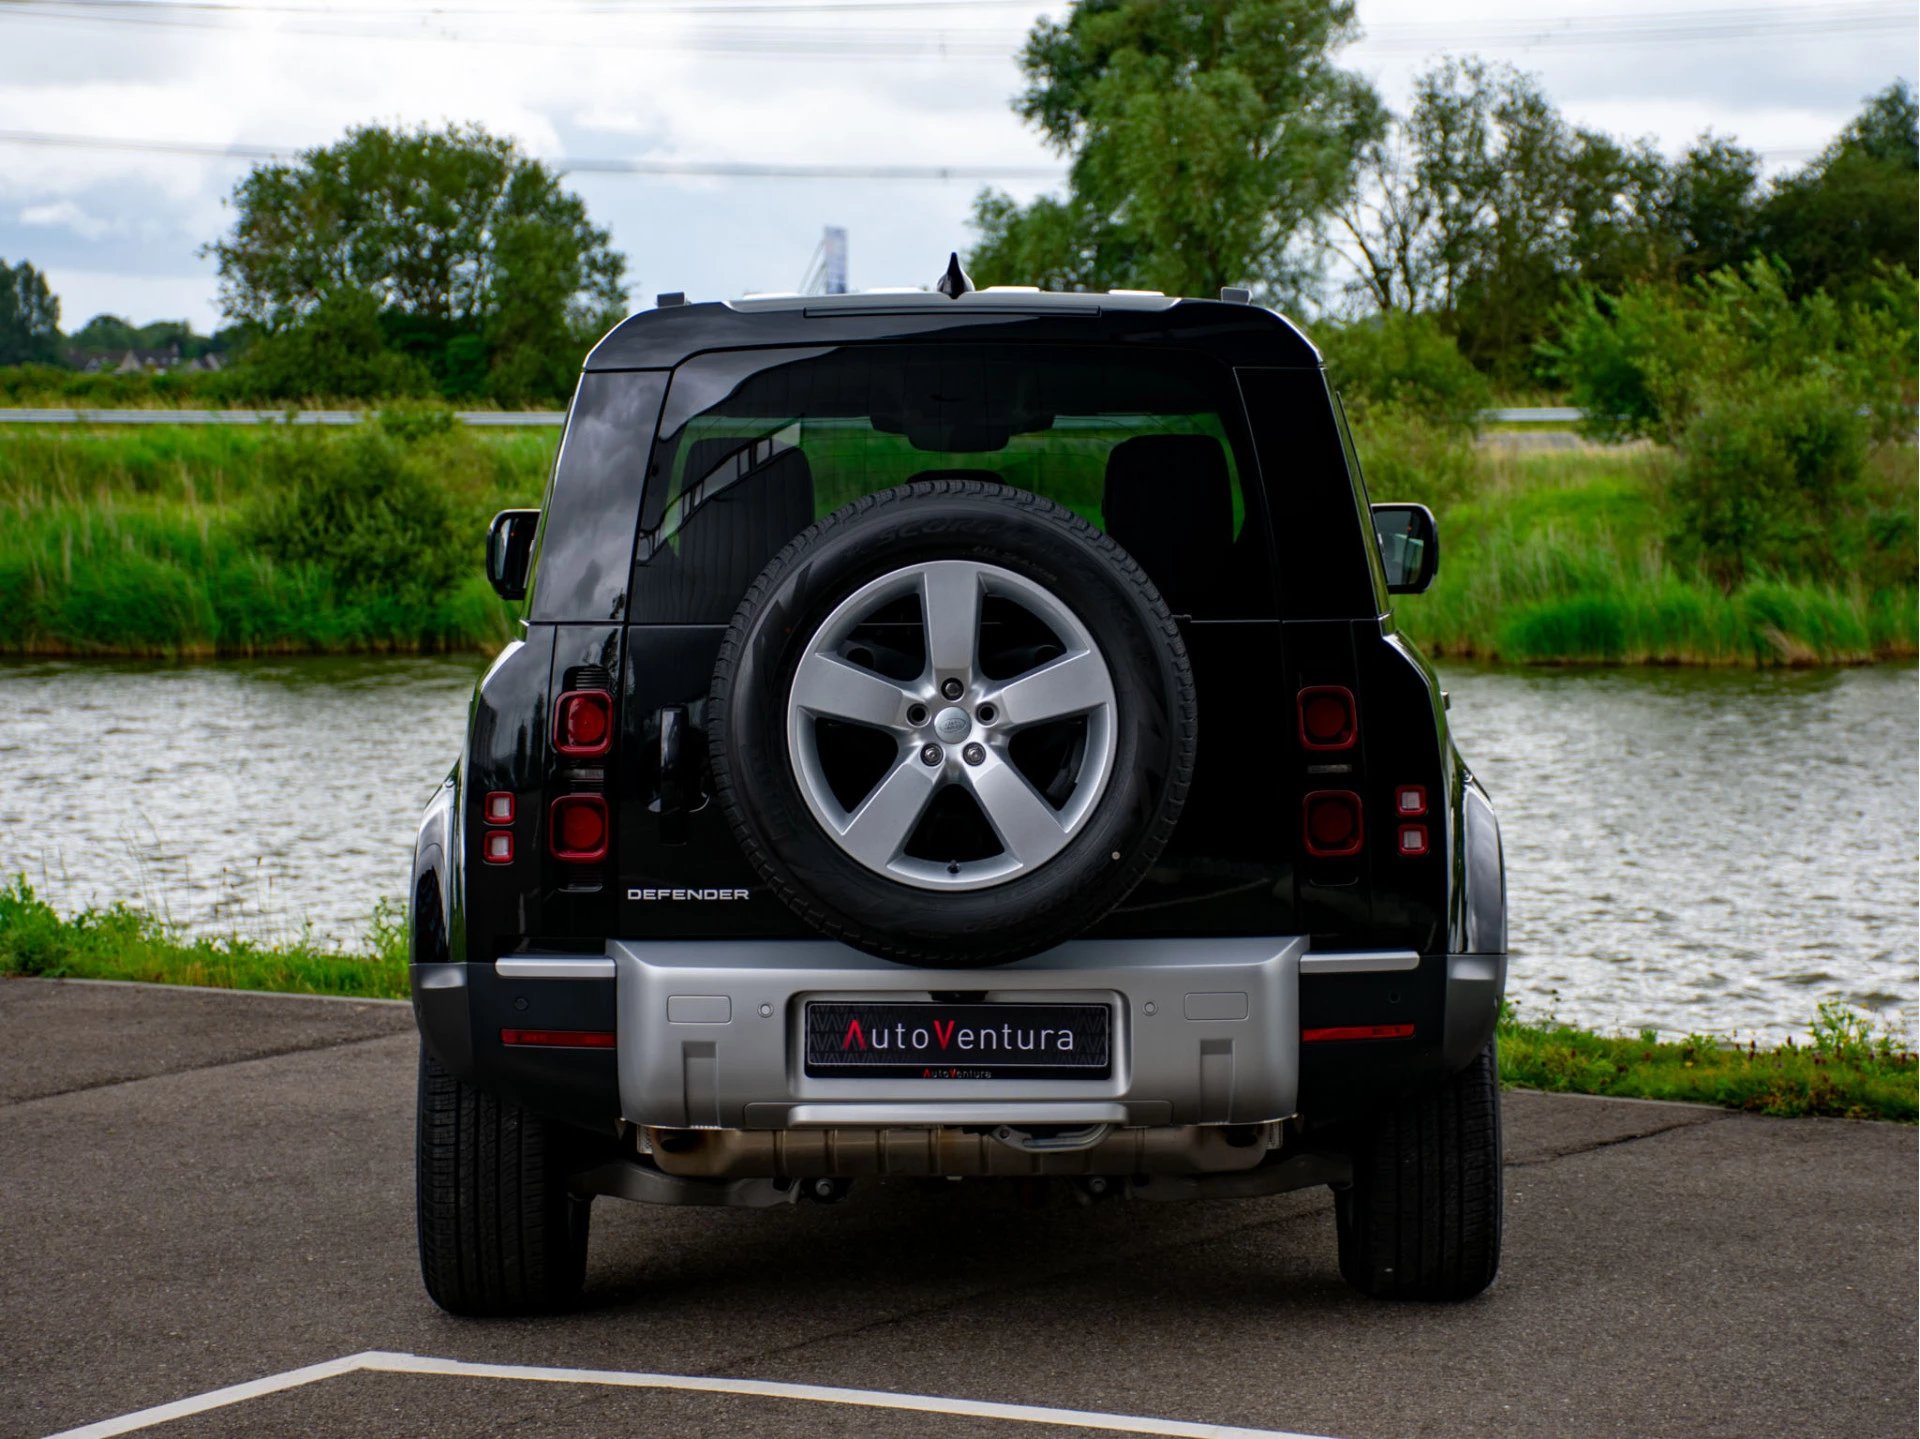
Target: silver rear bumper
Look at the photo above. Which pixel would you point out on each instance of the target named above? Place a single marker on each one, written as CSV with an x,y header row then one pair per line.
x,y
1205,1031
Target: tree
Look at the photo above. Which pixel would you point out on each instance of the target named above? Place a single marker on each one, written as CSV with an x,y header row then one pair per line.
x,y
29,317
471,255
110,336
338,352
105,334
1484,203
1853,210
1711,205
1208,141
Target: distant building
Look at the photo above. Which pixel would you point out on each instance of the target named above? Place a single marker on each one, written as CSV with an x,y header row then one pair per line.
x,y
139,361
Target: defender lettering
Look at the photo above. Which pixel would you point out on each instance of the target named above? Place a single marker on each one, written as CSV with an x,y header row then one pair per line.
x,y
649,896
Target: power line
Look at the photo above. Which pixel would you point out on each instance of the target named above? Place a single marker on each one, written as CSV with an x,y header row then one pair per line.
x,y
1716,25
1650,28
722,169
601,165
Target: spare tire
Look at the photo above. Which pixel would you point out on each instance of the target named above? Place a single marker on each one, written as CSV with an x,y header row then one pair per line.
x,y
952,724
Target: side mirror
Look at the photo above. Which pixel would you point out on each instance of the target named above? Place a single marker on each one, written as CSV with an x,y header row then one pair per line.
x,y
509,549
1409,546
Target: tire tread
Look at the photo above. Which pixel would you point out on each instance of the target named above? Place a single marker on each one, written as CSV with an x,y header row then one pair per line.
x,y
1422,1219
499,1231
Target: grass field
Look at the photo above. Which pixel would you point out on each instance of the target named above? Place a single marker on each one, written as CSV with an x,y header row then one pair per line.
x,y
1844,1069
140,541
145,541
1560,557
127,943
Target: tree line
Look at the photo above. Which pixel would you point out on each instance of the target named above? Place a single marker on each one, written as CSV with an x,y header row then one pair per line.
x,y
1215,144
1209,144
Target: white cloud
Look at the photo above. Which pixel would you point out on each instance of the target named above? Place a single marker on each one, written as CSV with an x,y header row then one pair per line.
x,y
66,215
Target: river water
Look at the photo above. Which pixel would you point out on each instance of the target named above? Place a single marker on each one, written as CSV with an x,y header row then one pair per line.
x,y
1686,849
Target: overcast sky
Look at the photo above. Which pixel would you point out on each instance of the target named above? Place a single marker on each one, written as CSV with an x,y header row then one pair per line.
x,y
840,82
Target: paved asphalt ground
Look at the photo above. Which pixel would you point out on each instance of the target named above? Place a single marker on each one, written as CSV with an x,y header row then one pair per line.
x,y
199,1189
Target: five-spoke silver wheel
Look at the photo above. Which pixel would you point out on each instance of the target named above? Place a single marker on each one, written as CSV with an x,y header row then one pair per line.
x,y
953,676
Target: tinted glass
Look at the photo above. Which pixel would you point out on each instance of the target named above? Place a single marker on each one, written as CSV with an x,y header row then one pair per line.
x,y
583,549
755,446
1327,560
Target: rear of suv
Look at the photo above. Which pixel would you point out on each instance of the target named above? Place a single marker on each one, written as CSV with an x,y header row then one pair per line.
x,y
956,734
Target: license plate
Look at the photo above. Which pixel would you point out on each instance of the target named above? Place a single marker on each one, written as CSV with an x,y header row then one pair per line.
x,y
862,1039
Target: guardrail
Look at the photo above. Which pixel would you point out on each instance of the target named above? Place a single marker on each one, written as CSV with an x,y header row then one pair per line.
x,y
486,419
482,418
1534,415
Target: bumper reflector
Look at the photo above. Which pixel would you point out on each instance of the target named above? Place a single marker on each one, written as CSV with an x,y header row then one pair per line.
x,y
1357,1031
560,1038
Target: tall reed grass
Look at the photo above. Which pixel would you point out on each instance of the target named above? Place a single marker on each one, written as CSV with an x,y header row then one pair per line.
x,y
146,542
1560,558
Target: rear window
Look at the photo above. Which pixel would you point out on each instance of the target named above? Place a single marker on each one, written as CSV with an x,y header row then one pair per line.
x,y
755,446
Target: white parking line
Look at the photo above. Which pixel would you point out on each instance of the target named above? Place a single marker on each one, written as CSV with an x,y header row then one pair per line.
x,y
384,1362
217,1398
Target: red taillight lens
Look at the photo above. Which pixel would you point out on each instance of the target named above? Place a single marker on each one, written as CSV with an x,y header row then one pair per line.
x,y
1413,840
496,846
561,1038
1327,718
1410,800
577,828
499,806
583,723
1330,823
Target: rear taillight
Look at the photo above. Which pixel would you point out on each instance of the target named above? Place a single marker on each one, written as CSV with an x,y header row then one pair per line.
x,y
577,828
1328,720
1330,823
583,723
499,806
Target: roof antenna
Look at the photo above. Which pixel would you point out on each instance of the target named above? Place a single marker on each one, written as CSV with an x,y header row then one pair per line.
x,y
956,282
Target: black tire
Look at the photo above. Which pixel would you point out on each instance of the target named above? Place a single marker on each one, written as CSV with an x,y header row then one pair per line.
x,y
1120,837
499,1232
1423,1215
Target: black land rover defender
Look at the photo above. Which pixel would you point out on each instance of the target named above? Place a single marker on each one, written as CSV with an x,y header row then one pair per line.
x,y
956,733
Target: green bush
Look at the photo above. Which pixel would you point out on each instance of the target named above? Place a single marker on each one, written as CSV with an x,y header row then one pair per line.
x,y
366,506
1769,479
1405,362
1646,360
339,351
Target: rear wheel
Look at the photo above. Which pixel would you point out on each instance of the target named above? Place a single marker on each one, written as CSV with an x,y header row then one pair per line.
x,y
1421,1219
500,1233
